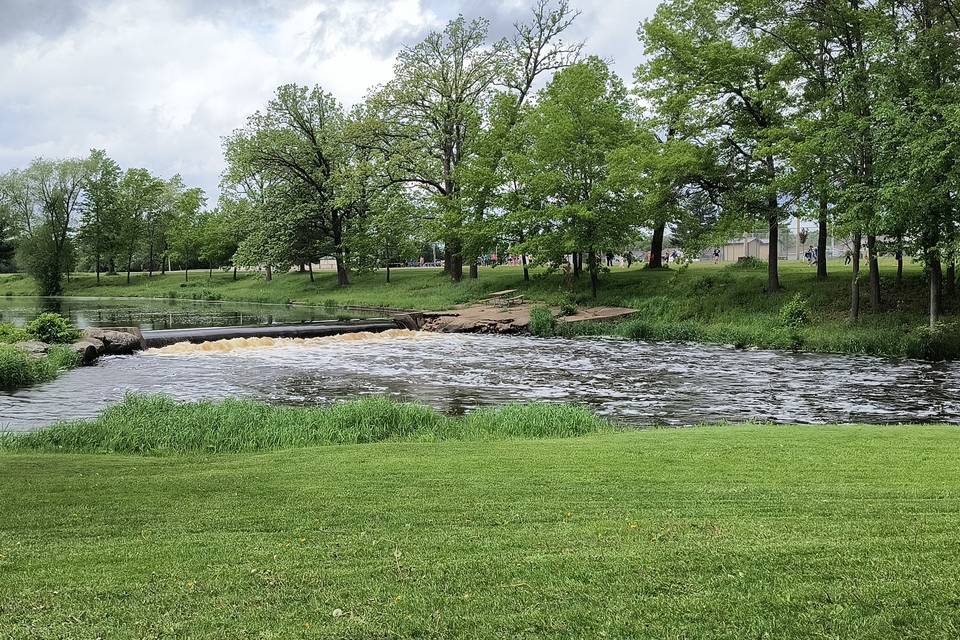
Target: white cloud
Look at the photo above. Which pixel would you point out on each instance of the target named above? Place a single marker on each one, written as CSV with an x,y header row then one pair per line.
x,y
157,83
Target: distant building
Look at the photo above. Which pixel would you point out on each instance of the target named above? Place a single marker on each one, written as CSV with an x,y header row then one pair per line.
x,y
746,247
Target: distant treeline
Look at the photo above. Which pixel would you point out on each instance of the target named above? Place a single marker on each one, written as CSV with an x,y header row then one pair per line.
x,y
839,111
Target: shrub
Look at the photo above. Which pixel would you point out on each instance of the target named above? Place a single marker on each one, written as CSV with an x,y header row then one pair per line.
x,y
542,322
568,306
939,343
52,328
10,334
795,313
748,263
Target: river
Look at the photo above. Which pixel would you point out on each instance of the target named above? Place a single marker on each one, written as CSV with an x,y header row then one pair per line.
x,y
634,383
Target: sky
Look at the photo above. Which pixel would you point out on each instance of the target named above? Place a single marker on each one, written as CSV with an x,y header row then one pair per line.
x,y
158,83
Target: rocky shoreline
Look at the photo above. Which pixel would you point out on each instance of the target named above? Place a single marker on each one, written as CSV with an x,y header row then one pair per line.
x,y
93,343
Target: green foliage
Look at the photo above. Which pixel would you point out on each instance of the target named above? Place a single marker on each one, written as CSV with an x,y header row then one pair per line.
x,y
542,322
939,343
159,425
795,313
52,328
39,257
10,333
20,369
567,304
749,263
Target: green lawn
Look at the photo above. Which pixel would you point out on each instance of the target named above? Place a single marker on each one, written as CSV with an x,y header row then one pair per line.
x,y
705,302
725,532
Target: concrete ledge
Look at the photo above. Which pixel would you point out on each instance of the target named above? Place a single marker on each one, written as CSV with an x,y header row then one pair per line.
x,y
164,337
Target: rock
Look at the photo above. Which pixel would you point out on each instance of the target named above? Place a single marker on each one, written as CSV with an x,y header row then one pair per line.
x,y
33,347
86,349
117,342
94,342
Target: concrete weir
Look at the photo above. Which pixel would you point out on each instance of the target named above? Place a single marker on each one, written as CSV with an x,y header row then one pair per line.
x,y
164,337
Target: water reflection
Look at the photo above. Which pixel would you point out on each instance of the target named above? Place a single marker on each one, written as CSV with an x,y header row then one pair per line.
x,y
635,383
163,313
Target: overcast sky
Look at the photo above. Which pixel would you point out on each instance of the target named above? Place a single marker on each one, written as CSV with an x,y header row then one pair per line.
x,y
157,83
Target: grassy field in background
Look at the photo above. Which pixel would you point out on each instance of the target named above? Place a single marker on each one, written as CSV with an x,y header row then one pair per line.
x,y
724,532
705,302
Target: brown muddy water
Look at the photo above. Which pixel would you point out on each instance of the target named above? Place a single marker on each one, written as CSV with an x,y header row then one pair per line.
x,y
634,383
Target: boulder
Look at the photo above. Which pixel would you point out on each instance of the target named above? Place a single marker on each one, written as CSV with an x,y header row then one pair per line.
x,y
116,342
86,349
33,347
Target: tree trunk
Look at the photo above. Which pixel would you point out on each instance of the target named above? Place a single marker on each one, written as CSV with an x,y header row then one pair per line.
x,y
269,273
456,260
303,268
343,276
447,258
98,268
874,273
388,272
234,272
577,263
186,273
474,270
526,269
310,270
129,263
150,262
936,282
656,247
594,267
822,239
773,254
210,271
855,280
950,284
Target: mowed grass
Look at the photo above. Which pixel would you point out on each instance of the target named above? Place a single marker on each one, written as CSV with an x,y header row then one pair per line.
x,y
724,532
702,303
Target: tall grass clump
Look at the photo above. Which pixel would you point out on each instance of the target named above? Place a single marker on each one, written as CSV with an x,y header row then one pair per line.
x,y
160,425
21,369
542,322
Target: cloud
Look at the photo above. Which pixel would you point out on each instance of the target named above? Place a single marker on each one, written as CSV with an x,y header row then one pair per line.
x,y
158,83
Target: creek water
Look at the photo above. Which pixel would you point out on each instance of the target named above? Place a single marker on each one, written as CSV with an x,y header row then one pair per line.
x,y
635,383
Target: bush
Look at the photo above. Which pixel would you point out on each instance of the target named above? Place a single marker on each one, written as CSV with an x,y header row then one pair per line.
x,y
940,343
10,334
748,263
568,306
542,322
52,328
795,313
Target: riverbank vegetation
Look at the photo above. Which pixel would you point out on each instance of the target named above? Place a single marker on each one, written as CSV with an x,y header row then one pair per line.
x,y
158,425
718,532
702,302
743,114
19,367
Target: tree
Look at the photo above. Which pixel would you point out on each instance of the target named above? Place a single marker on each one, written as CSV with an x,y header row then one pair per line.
x,y
715,68
100,209
430,116
579,121
184,231
296,151
55,189
140,194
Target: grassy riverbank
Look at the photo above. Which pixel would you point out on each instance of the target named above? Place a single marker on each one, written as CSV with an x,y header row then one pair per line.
x,y
718,532
705,302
